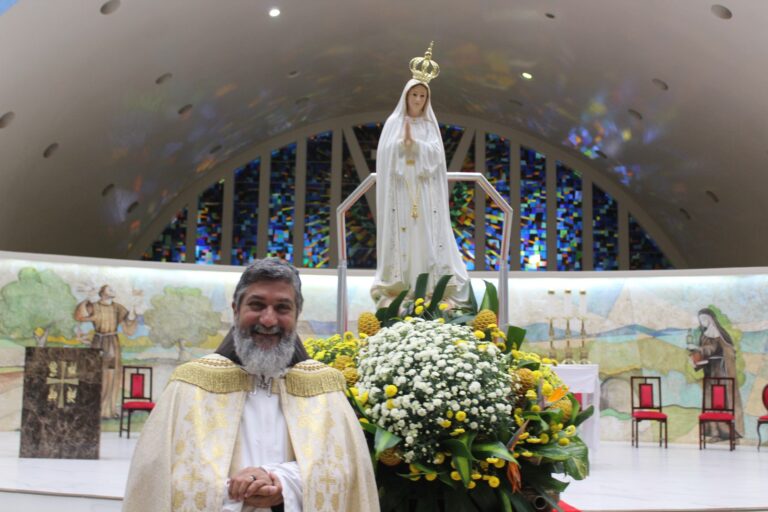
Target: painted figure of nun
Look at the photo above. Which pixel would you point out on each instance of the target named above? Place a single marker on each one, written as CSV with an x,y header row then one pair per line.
x,y
414,234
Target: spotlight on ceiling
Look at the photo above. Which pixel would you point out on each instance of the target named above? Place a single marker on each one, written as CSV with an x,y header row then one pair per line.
x,y
722,12
6,119
110,7
526,75
550,15
274,12
661,84
712,196
635,114
50,150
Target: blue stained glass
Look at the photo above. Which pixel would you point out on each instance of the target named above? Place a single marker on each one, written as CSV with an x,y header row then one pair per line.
x,y
361,229
533,210
246,213
210,207
569,219
171,245
462,206
368,138
497,154
282,202
605,230
317,214
644,253
451,134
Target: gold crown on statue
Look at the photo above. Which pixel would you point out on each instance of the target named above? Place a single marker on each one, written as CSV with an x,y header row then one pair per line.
x,y
424,68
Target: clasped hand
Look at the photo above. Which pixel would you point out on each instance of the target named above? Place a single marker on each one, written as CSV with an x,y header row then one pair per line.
x,y
407,140
256,487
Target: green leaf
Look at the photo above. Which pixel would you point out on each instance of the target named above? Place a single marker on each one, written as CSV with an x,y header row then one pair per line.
x,y
472,300
420,290
544,494
381,314
462,320
577,467
461,452
544,482
515,337
384,440
458,501
520,503
437,294
504,499
492,449
393,310
550,451
584,415
490,298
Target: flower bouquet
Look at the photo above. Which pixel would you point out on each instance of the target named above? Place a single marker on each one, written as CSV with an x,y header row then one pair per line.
x,y
457,417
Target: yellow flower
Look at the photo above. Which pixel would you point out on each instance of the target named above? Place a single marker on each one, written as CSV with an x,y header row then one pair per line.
x,y
531,394
441,320
350,375
479,335
491,326
419,310
570,430
547,389
494,481
368,324
419,301
413,469
461,416
471,485
354,391
442,306
476,476
449,414
457,432
390,390
481,347
526,453
535,408
534,440
349,335
390,404
430,477
544,438
563,441
524,436
363,336
445,423
500,463
320,355
439,458
455,476
364,399
363,420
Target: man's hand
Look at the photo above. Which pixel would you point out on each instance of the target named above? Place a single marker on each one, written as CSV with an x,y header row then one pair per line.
x,y
256,487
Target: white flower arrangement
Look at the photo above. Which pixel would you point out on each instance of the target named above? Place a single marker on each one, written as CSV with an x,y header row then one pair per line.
x,y
427,381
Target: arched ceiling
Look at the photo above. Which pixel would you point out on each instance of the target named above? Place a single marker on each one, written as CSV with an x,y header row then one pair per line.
x,y
692,154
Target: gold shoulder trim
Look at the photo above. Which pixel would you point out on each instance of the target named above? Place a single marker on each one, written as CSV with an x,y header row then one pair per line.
x,y
311,378
214,373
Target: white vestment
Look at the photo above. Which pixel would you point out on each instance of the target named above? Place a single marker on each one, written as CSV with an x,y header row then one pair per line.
x,y
413,222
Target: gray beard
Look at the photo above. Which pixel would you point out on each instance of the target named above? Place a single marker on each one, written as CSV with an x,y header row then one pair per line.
x,y
259,361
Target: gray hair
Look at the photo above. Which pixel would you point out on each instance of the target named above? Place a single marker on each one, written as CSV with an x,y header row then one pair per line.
x,y
269,269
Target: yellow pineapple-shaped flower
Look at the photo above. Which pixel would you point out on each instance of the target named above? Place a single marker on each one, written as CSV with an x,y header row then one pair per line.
x,y
565,405
350,375
368,324
483,319
343,361
526,378
390,457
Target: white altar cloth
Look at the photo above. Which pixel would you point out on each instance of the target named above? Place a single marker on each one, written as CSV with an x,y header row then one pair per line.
x,y
585,379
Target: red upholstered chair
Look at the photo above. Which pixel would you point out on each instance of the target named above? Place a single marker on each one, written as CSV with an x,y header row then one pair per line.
x,y
646,406
717,406
762,420
137,393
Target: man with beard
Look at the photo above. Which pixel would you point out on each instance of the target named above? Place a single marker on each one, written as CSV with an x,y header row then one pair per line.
x,y
258,425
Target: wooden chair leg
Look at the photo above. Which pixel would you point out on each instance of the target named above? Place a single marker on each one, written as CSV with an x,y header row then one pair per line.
x,y
660,433
129,424
666,434
122,413
732,434
758,436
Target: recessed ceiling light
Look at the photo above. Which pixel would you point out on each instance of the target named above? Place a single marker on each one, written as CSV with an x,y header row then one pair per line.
x,y
110,7
635,114
712,196
132,207
186,109
215,149
661,84
6,119
50,150
722,12
550,15
516,103
294,73
163,78
685,213
274,12
107,189
526,75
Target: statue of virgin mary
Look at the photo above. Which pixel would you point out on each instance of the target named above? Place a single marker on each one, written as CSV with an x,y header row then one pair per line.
x,y
414,234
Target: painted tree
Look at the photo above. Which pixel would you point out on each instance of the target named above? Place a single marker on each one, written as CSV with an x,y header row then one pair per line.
x,y
181,317
37,305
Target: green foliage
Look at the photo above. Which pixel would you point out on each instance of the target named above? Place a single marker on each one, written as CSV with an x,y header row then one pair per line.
x,y
736,335
37,300
182,317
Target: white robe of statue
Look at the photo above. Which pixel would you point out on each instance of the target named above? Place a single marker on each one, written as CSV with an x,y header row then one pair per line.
x,y
413,231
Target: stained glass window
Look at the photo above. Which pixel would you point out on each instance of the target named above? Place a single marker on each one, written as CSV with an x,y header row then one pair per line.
x,y
317,213
210,207
569,219
462,205
368,138
533,210
171,244
497,155
361,229
644,254
451,134
282,202
605,230
246,214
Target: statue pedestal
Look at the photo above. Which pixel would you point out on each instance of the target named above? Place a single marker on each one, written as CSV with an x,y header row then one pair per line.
x,y
61,406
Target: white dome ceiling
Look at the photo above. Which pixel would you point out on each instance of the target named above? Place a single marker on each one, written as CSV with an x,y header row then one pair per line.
x,y
101,111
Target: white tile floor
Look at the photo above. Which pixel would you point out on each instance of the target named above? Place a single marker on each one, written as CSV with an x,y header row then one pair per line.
x,y
623,479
